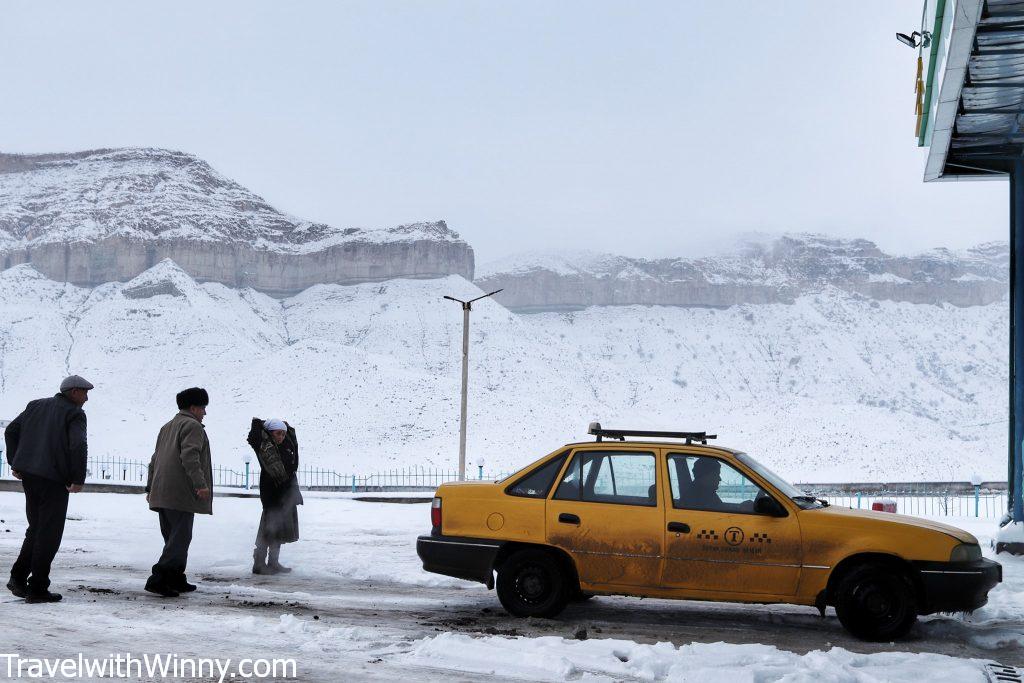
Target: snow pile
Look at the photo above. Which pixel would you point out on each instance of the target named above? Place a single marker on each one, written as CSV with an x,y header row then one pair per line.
x,y
826,388
558,659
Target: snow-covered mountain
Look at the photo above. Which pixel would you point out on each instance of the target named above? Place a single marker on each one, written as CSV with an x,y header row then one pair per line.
x,y
756,271
832,386
828,358
107,215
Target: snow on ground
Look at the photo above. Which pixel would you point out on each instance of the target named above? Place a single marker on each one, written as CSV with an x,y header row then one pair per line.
x,y
559,659
349,543
359,602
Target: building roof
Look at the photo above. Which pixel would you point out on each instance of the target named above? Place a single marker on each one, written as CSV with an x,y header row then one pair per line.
x,y
975,116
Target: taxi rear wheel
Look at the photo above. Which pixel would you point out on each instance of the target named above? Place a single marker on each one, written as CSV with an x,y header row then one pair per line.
x,y
532,583
876,602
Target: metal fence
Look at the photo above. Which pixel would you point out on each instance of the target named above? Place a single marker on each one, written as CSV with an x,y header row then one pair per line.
x,y
135,472
931,499
988,505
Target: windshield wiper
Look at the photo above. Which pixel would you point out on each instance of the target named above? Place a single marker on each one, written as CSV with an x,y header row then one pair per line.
x,y
812,499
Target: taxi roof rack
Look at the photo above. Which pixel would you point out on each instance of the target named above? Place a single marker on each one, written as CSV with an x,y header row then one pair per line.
x,y
621,434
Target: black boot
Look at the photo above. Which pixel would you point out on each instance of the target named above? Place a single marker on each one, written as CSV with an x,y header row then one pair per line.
x,y
181,584
18,587
158,584
273,564
35,597
38,591
259,560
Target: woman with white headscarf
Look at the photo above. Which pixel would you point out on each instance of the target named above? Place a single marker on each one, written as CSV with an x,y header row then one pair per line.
x,y
277,450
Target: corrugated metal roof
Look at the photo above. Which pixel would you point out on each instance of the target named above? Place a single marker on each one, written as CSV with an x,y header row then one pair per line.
x,y
986,61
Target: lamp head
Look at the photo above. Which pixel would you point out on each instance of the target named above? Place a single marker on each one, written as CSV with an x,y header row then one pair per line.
x,y
915,39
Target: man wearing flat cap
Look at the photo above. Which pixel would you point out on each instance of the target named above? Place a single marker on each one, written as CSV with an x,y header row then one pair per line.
x,y
47,450
180,486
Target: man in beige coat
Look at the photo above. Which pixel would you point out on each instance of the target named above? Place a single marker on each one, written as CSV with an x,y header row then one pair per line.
x,y
180,485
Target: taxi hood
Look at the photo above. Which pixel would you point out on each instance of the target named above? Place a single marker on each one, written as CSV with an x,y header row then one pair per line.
x,y
893,518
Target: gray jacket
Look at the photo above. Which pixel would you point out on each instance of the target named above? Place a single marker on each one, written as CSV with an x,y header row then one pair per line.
x,y
48,440
180,466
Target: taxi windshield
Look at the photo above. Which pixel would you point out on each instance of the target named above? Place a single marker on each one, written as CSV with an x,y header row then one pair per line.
x,y
783,486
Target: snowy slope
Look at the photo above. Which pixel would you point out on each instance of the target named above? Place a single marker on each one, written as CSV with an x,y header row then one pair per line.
x,y
834,386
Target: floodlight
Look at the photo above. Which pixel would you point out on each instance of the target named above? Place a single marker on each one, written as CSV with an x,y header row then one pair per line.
x,y
909,41
915,39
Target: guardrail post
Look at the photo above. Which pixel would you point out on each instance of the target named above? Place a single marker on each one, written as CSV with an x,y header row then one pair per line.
x,y
977,489
858,500
353,483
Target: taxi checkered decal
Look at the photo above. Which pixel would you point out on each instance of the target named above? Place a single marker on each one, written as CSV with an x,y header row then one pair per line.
x,y
706,535
760,538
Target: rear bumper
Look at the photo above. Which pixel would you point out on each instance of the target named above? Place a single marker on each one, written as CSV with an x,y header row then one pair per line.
x,y
471,559
957,586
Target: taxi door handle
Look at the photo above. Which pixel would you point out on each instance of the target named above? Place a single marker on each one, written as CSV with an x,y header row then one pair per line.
x,y
566,518
679,527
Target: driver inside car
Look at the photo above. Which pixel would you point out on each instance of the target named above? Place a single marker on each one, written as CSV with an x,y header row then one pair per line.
x,y
703,492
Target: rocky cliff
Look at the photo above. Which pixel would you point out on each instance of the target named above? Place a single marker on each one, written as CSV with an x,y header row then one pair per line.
x,y
108,215
756,272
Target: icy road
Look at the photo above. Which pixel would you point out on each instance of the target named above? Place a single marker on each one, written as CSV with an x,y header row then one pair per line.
x,y
358,606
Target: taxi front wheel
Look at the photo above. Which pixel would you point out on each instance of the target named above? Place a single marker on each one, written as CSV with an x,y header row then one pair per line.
x,y
532,583
876,603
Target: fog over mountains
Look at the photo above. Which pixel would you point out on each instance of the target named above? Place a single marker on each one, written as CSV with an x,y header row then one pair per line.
x,y
758,270
146,271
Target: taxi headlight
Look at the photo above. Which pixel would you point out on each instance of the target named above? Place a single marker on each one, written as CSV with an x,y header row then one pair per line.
x,y
965,552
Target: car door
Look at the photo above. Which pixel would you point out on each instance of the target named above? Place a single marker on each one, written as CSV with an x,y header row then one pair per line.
x,y
715,541
606,512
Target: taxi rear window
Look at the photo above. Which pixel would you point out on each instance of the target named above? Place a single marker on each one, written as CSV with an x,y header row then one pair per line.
x,y
618,477
537,483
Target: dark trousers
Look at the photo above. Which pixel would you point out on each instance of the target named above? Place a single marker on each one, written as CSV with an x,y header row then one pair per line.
x,y
46,506
176,528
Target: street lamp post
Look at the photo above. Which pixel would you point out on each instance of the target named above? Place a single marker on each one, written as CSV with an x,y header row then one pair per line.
x,y
247,458
467,306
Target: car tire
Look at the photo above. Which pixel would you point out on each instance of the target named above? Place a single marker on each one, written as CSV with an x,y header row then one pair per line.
x,y
532,583
876,602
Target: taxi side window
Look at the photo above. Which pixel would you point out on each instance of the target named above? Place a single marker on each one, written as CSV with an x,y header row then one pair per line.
x,y
705,483
537,483
610,477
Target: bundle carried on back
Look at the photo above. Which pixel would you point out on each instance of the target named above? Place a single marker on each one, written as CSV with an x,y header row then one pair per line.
x,y
266,451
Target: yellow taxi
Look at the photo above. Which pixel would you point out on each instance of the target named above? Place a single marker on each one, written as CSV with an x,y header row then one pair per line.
x,y
682,519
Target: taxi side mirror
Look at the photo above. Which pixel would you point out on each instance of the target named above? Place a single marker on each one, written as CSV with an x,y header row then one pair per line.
x,y
766,505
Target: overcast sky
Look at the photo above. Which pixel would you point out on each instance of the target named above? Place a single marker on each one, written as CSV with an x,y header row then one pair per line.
x,y
643,128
